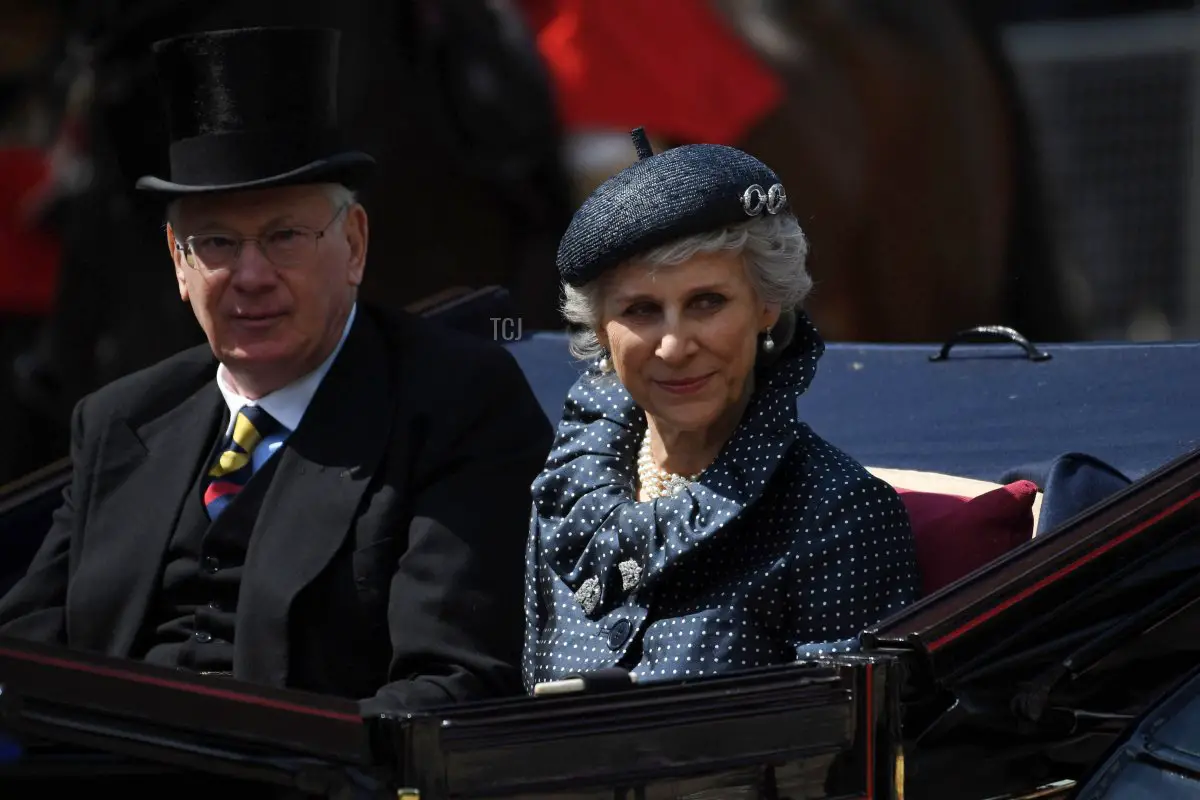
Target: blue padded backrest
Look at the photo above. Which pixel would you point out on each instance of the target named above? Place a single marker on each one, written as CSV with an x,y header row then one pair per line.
x,y
981,413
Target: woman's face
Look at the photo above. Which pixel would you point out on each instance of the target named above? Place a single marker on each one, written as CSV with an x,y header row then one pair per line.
x,y
683,338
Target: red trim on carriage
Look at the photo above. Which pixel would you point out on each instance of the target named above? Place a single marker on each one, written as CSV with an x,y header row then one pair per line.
x,y
869,719
1034,588
165,683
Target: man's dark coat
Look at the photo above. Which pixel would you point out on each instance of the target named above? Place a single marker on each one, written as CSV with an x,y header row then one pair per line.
x,y
386,561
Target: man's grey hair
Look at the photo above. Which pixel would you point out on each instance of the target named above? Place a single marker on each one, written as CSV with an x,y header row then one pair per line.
x,y
773,248
338,195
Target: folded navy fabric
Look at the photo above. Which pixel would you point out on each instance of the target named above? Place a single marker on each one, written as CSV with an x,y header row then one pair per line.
x,y
1071,484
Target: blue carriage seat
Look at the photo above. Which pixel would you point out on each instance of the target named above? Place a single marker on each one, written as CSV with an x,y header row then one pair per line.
x,y
968,440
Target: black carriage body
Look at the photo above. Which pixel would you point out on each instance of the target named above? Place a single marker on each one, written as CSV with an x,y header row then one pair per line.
x,y
1026,672
829,730
1032,675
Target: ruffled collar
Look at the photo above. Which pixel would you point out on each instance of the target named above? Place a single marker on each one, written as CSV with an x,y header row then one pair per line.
x,y
592,531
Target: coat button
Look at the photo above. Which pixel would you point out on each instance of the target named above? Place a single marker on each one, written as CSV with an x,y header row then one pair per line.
x,y
204,637
210,565
618,634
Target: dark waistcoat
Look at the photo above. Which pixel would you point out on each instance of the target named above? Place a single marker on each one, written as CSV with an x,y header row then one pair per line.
x,y
192,622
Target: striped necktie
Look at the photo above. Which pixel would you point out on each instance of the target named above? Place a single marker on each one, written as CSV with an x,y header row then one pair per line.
x,y
235,465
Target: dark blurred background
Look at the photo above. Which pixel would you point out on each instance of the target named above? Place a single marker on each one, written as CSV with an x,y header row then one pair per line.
x,y
955,162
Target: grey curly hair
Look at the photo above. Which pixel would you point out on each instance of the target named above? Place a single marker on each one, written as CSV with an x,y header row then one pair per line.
x,y
773,247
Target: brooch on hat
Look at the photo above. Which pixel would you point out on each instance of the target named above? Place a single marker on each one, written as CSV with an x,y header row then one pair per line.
x,y
755,200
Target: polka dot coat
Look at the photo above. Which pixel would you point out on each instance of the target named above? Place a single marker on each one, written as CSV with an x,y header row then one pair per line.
x,y
784,547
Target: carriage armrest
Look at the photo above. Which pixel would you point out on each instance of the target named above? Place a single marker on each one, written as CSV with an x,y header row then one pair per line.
x,y
437,299
487,312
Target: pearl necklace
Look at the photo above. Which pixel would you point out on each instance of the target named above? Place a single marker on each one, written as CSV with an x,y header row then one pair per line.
x,y
655,481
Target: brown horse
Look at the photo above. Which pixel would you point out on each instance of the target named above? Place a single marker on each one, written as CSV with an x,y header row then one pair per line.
x,y
902,143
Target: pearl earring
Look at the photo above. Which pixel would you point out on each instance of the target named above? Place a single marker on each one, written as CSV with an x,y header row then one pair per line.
x,y
768,342
604,365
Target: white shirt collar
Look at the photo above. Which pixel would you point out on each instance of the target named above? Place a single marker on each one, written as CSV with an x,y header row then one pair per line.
x,y
288,404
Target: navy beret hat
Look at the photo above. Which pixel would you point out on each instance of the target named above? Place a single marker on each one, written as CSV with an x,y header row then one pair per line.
x,y
683,191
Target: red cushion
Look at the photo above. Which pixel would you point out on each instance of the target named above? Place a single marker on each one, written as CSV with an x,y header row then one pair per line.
x,y
957,535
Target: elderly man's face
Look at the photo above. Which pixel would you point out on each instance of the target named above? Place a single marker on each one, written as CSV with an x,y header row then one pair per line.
x,y
271,323
683,338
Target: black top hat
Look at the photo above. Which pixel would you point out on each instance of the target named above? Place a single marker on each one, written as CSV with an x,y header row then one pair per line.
x,y
252,109
683,191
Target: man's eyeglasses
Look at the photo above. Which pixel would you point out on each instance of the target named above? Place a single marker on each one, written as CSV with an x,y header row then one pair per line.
x,y
283,247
